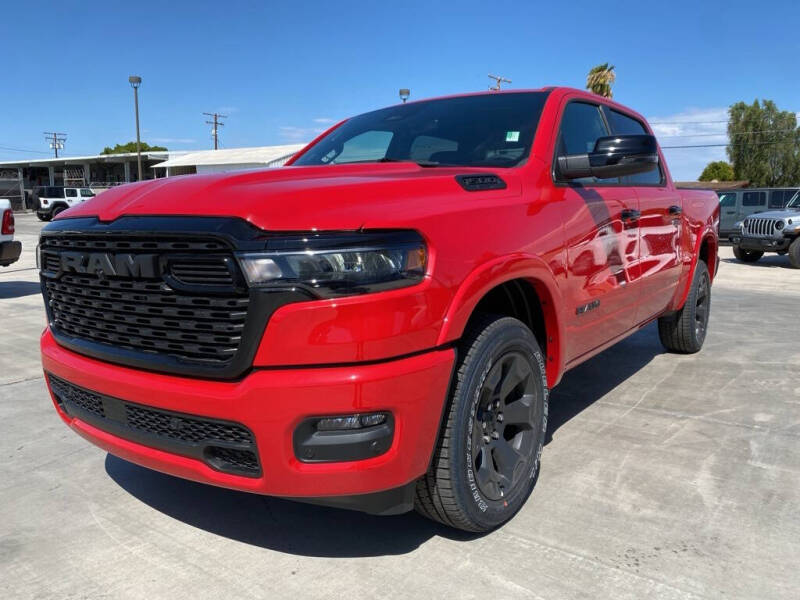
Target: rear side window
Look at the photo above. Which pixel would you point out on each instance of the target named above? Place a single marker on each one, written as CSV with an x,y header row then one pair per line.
x,y
754,199
72,193
727,200
625,125
581,125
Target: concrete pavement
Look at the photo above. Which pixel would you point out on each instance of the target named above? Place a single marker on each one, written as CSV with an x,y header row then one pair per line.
x,y
663,476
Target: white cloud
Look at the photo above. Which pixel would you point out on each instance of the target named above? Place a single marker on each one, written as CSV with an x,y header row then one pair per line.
x,y
300,134
169,140
691,127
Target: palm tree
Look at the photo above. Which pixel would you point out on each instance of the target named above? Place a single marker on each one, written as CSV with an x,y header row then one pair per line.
x,y
600,79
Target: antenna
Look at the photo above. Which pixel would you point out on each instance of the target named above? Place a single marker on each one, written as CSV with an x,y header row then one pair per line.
x,y
56,140
216,125
498,80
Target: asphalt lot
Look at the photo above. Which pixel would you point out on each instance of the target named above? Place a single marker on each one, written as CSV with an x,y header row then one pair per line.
x,y
663,476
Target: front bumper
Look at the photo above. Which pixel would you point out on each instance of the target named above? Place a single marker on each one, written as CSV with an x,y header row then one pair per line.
x,y
271,403
9,252
760,244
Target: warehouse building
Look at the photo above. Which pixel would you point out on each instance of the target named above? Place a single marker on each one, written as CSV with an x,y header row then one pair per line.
x,y
20,178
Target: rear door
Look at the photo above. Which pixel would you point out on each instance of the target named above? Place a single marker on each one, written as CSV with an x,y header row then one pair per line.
x,y
659,226
728,210
601,239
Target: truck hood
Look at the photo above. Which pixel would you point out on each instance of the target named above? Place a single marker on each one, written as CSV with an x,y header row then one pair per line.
x,y
302,198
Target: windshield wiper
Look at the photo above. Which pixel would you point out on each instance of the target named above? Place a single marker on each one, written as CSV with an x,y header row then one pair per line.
x,y
421,163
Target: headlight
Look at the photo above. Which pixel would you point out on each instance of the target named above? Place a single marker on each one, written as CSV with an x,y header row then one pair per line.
x,y
780,225
339,264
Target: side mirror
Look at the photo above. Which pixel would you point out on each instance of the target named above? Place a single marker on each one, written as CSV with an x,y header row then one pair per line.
x,y
613,156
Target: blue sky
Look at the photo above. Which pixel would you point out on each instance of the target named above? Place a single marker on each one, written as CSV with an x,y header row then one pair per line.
x,y
284,70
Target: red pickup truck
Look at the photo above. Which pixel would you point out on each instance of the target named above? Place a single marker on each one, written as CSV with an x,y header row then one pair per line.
x,y
377,325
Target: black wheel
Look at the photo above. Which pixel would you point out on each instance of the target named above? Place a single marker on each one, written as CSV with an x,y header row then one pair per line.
x,y
487,458
747,256
685,331
794,253
56,211
43,216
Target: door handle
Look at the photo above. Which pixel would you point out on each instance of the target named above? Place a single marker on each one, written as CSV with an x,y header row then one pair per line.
x,y
675,210
630,214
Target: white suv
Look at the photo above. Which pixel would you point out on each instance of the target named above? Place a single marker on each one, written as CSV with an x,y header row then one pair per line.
x,y
53,199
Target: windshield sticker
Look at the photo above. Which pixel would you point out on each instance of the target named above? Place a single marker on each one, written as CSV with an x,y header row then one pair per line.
x,y
512,136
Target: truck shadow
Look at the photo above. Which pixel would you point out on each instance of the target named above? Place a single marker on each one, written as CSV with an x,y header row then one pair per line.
x,y
280,525
18,289
771,261
308,530
588,382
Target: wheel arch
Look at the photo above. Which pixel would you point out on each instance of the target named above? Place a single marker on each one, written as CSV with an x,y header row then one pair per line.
x,y
705,250
521,286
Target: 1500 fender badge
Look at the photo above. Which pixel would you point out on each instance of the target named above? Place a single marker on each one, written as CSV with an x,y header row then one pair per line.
x,y
587,307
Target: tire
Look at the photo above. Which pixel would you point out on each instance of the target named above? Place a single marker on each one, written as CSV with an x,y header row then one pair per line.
x,y
747,256
486,460
43,216
56,211
685,331
794,253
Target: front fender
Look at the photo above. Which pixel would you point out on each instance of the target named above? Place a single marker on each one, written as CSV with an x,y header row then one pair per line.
x,y
501,270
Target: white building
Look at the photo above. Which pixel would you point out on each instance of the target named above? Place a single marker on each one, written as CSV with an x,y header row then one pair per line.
x,y
229,159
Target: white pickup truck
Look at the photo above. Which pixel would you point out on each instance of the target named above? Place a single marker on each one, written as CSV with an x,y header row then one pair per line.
x,y
9,249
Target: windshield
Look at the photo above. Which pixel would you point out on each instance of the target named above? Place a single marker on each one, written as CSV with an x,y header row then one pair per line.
x,y
490,130
795,201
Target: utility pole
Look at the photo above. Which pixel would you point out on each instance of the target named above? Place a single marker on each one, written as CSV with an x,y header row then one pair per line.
x,y
56,140
498,80
217,124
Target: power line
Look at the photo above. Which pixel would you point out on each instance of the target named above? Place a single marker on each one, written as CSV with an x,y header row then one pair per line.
x,y
685,122
10,149
726,145
56,140
726,133
217,124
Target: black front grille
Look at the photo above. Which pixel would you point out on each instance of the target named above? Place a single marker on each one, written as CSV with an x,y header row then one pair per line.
x,y
189,309
224,445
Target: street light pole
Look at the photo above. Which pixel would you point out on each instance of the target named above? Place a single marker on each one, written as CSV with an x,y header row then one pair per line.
x,y
135,82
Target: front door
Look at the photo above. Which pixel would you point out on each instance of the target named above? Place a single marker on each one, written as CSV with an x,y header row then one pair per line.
x,y
602,237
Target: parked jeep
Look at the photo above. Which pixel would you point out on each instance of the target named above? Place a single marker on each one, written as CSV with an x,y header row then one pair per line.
x,y
775,231
53,199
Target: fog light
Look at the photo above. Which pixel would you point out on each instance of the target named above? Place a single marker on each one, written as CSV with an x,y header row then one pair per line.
x,y
350,422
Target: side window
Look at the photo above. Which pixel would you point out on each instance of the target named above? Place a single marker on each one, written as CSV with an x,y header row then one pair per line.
x,y
727,200
370,145
71,193
581,125
86,193
754,199
625,125
424,147
780,198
